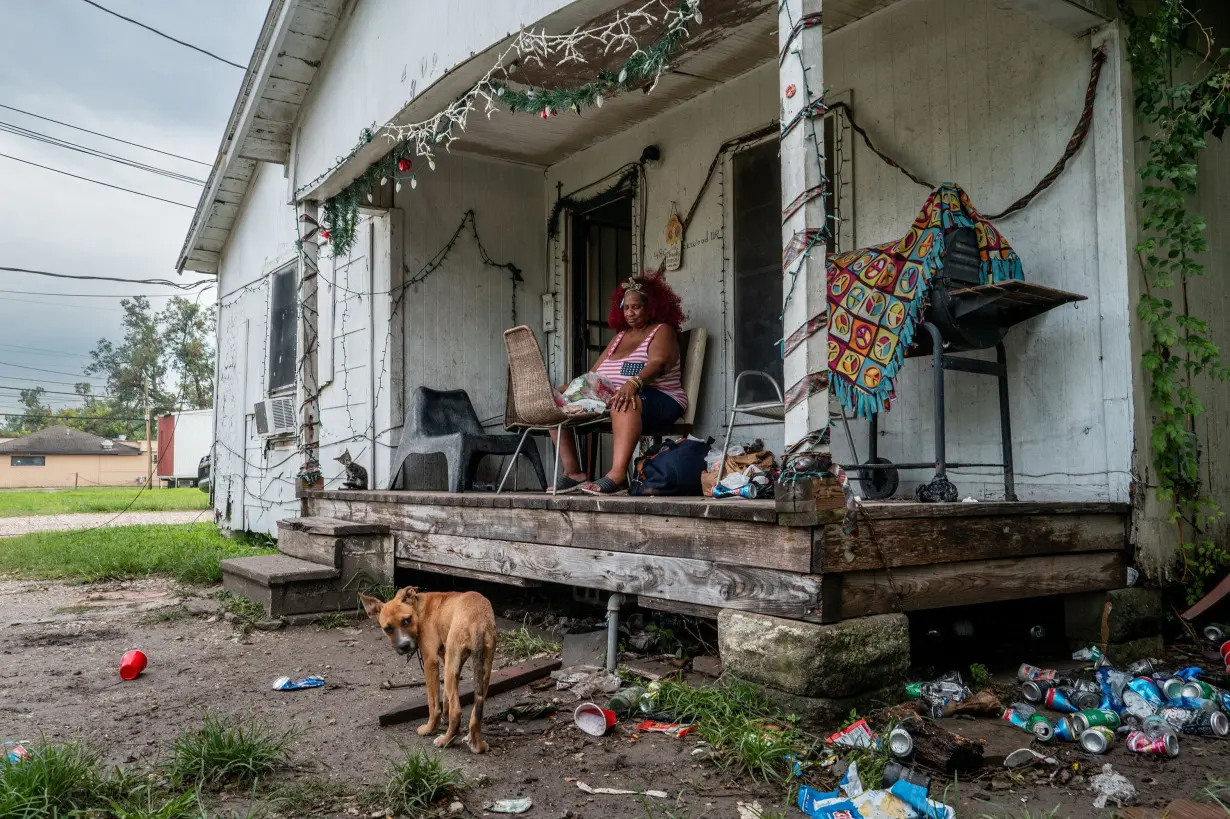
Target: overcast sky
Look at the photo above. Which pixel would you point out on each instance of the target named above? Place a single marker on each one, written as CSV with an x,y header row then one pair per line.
x,y
67,60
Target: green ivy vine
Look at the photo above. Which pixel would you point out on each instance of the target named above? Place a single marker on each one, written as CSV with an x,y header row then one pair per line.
x,y
1181,97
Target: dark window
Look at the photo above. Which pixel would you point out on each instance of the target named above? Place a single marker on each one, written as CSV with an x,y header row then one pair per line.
x,y
758,266
602,258
282,329
28,460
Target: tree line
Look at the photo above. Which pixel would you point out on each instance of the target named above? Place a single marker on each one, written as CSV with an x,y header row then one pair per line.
x,y
167,355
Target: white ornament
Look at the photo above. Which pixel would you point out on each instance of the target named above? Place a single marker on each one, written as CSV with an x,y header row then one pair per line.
x,y
384,180
431,163
369,196
598,100
397,187
414,182
623,75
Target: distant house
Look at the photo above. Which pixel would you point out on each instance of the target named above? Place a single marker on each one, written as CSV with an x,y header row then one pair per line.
x,y
59,456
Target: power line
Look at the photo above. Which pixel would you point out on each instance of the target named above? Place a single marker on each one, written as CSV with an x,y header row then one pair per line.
x,y
46,349
41,381
54,417
53,372
68,306
167,36
55,392
105,136
90,296
96,182
17,130
83,277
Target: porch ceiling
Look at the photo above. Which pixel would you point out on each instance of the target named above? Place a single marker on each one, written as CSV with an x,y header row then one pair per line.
x,y
736,36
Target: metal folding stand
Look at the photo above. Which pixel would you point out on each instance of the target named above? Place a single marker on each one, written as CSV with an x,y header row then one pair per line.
x,y
878,476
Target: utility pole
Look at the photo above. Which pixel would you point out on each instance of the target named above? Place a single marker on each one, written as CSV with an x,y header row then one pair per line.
x,y
149,444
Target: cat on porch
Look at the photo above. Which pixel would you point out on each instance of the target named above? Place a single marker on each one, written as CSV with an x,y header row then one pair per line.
x,y
356,475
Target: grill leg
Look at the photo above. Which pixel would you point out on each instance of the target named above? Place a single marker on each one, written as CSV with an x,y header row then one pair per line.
x,y
873,438
937,358
1005,423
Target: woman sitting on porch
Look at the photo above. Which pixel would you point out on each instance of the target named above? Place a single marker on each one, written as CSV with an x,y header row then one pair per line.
x,y
642,363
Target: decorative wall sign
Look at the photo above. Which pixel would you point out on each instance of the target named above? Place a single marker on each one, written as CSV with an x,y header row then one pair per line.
x,y
674,240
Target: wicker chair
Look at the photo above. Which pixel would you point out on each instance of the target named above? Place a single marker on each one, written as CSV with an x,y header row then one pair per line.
x,y
530,403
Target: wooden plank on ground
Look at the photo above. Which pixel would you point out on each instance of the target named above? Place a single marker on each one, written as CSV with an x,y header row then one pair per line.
x,y
979,581
506,679
469,574
677,607
921,541
682,579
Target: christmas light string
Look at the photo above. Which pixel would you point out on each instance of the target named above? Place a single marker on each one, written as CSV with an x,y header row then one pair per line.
x,y
643,68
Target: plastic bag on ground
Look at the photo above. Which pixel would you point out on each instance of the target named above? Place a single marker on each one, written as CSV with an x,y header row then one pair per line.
x,y
1112,787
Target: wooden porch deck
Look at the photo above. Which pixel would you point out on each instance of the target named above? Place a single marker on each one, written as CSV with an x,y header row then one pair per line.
x,y
697,556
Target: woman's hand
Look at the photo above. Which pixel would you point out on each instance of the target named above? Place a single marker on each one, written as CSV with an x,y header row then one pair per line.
x,y
626,398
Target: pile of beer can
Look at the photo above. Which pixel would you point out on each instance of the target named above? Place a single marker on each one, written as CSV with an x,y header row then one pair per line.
x,y
1148,704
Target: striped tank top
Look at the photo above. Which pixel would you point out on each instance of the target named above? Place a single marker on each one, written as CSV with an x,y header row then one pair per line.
x,y
619,370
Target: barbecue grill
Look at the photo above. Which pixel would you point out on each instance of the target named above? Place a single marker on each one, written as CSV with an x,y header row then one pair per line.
x,y
962,315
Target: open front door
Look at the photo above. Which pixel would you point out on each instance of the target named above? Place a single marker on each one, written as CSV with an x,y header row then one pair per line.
x,y
601,258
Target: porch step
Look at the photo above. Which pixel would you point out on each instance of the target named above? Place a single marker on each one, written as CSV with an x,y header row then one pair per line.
x,y
320,539
286,585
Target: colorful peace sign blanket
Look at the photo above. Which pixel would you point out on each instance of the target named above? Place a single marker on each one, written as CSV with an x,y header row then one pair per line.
x,y
878,295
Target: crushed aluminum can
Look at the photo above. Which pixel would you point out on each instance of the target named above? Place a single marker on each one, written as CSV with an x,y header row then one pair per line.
x,y
1172,687
1199,690
1041,728
1065,730
1145,667
895,772
1155,725
1148,691
15,752
1097,740
856,735
1206,724
1164,745
900,744
1057,700
1036,690
1216,632
1028,672
1096,718
287,684
1026,718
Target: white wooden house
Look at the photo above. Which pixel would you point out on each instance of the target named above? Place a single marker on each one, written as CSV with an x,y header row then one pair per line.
x,y
984,93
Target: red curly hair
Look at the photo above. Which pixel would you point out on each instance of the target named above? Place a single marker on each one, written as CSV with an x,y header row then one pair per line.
x,y
661,303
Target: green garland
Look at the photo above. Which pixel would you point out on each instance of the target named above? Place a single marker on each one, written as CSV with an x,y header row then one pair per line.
x,y
1179,349
642,69
341,212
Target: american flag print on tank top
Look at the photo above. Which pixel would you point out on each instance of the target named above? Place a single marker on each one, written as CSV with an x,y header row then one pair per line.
x,y
619,370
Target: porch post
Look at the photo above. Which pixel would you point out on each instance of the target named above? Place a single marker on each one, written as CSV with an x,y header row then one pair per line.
x,y
804,224
308,392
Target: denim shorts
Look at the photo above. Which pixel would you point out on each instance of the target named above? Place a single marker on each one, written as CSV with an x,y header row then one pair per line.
x,y
658,410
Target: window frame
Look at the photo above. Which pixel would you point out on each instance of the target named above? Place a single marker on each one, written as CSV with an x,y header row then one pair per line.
x,y
41,460
279,390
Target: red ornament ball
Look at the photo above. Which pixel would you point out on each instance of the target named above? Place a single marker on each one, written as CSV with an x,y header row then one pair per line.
x,y
404,164
324,235
546,112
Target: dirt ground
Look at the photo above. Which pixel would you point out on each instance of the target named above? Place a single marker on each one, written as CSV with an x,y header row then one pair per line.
x,y
60,646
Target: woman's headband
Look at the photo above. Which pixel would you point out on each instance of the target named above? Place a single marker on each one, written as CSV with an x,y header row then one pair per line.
x,y
633,285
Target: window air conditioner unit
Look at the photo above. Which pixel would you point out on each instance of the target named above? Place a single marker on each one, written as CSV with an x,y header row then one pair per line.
x,y
275,416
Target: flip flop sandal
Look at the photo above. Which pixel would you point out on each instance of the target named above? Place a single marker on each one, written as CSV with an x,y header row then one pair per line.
x,y
602,486
564,485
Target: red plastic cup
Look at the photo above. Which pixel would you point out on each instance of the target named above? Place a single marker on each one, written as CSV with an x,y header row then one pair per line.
x,y
132,664
1225,651
593,719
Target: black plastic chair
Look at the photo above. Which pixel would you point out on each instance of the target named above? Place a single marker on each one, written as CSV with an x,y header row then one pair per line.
x,y
445,422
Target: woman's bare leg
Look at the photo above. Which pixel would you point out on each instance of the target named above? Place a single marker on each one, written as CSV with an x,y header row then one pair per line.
x,y
625,429
569,461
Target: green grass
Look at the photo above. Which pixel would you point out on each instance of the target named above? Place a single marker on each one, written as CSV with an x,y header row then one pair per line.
x,y
189,553
23,502
311,797
417,782
168,615
226,750
979,676
52,780
332,620
522,644
748,734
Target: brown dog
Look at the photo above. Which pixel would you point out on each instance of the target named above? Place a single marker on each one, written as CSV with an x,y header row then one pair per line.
x,y
452,625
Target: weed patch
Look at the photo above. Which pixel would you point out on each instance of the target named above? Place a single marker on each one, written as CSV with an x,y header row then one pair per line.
x,y
310,797
332,620
189,553
748,734
522,644
168,615
418,781
53,780
246,611
226,750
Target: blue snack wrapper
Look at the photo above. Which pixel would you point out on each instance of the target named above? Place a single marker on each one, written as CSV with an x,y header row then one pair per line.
x,y
287,684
